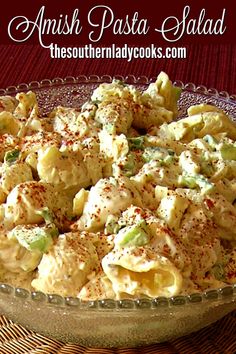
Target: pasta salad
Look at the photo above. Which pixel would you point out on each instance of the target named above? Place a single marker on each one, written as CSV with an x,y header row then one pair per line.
x,y
117,198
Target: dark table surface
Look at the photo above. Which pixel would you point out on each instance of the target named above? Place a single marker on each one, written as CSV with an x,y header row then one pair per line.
x,y
212,65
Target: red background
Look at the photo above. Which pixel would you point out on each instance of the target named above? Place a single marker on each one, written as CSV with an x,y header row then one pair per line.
x,y
211,60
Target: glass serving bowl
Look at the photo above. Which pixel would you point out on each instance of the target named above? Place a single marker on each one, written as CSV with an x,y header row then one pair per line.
x,y
113,323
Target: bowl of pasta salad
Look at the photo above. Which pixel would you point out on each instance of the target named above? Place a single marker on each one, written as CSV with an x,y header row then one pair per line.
x,y
118,208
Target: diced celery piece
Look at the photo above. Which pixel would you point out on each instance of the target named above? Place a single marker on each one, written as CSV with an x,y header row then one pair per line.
x,y
167,160
194,181
38,238
112,226
228,152
129,166
11,156
136,143
188,181
135,235
158,153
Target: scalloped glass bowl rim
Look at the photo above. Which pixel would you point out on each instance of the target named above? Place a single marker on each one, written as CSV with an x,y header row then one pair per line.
x,y
226,293
131,79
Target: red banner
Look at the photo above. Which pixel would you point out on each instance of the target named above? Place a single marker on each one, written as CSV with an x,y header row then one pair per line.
x,y
120,22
